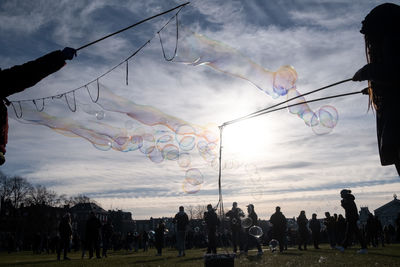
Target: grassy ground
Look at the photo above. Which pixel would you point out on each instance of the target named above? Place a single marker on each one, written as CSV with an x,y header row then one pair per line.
x,y
387,256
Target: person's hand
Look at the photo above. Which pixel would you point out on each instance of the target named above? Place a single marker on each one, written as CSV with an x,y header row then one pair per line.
x,y
362,74
68,53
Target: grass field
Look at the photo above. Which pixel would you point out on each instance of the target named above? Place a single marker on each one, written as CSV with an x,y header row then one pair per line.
x,y
387,256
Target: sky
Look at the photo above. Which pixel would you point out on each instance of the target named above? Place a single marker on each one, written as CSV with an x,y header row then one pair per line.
x,y
270,160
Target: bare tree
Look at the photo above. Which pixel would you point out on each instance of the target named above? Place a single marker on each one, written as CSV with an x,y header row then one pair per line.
x,y
199,211
20,188
39,194
190,211
5,186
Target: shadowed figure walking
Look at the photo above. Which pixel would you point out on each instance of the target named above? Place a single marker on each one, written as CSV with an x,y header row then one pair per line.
x,y
351,214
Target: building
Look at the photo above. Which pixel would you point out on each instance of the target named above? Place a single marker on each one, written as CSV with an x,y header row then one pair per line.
x,y
389,212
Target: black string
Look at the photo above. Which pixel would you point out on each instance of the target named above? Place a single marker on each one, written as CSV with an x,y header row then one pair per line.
x,y
40,110
98,93
15,111
127,73
69,106
292,105
284,102
176,41
107,72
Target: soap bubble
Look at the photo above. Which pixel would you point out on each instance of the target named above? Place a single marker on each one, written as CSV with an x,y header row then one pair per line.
x,y
247,222
256,231
273,245
100,115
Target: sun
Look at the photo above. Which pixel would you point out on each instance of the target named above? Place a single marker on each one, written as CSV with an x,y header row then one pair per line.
x,y
246,139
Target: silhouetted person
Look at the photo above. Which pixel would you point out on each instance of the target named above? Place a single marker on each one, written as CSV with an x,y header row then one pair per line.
x,y
278,221
212,222
250,238
159,238
65,231
235,215
351,214
181,220
18,78
379,232
303,230
371,230
341,229
145,240
129,241
397,222
329,222
315,227
93,226
381,29
107,232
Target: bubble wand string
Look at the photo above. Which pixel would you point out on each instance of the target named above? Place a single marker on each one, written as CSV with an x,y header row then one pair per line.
x,y
283,102
131,26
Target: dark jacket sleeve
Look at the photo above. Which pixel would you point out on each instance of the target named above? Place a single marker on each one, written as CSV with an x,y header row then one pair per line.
x,y
20,77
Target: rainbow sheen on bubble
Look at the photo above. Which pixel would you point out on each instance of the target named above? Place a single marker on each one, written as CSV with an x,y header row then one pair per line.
x,y
158,136
196,49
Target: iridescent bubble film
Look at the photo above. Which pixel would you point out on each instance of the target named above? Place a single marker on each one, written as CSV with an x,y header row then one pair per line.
x,y
130,127
196,49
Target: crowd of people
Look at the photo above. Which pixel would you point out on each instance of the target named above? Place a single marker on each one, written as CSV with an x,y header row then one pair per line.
x,y
232,232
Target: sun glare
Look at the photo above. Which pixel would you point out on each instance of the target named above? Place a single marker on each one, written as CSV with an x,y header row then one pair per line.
x,y
246,139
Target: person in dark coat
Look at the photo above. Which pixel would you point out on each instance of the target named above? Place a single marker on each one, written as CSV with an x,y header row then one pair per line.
x,y
302,222
250,238
351,214
279,223
18,78
107,231
235,215
181,220
315,227
381,29
159,238
341,228
212,222
65,231
93,226
145,240
371,230
330,225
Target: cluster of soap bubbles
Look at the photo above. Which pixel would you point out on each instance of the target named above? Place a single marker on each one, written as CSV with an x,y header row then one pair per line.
x,y
132,127
322,121
253,230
